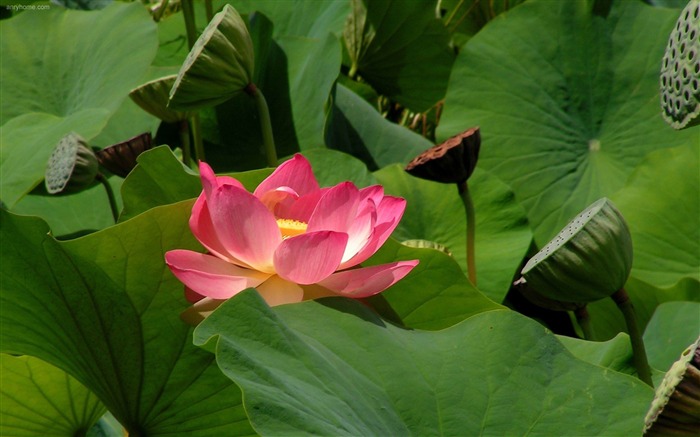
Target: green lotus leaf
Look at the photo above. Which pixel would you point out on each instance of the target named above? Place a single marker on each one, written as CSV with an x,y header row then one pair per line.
x,y
105,309
64,71
39,399
153,97
680,70
567,111
671,329
661,203
219,66
306,18
355,127
332,367
435,212
401,49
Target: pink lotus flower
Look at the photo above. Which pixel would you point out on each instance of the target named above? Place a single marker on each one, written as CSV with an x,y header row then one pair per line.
x,y
290,239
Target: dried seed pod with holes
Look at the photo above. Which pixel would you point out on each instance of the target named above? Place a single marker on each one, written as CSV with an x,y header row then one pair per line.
x,y
590,259
680,70
71,167
450,162
675,409
120,158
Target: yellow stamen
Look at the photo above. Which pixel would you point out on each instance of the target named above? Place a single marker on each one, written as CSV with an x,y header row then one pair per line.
x,y
291,228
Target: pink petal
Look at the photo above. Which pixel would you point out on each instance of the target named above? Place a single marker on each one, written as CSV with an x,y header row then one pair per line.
x,y
244,226
277,291
374,192
360,230
201,310
192,296
304,206
210,276
368,281
389,212
210,181
279,200
295,173
203,229
336,209
310,257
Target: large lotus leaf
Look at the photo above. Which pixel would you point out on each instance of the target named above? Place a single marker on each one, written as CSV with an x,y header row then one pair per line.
x,y
296,104
39,399
75,213
614,354
27,143
355,127
308,18
661,204
401,49
435,212
671,329
333,367
64,71
104,308
607,320
161,179
567,102
332,167
61,61
435,295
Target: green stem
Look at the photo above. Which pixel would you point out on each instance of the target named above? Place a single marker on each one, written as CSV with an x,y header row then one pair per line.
x,y
110,195
471,229
265,125
639,354
185,143
584,321
197,136
209,9
159,13
188,14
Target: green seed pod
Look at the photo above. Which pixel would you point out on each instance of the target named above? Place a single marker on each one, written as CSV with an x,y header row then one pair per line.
x,y
219,65
72,166
680,70
153,97
590,258
675,409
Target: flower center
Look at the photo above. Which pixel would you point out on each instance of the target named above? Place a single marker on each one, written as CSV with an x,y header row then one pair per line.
x,y
291,228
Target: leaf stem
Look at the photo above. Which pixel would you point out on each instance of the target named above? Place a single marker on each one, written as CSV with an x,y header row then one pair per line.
x,y
584,321
197,136
190,27
471,229
265,124
209,9
110,195
639,354
185,142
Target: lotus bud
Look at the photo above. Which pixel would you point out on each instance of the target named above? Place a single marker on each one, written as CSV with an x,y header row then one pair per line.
x,y
590,258
153,97
219,66
450,162
72,166
675,409
680,70
120,158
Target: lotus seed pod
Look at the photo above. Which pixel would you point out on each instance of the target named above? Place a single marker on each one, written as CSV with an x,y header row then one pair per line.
x,y
450,162
153,97
590,259
120,158
72,166
219,66
680,70
675,409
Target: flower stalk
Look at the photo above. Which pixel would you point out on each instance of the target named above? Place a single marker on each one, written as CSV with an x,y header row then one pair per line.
x,y
623,302
471,229
584,321
268,146
110,195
